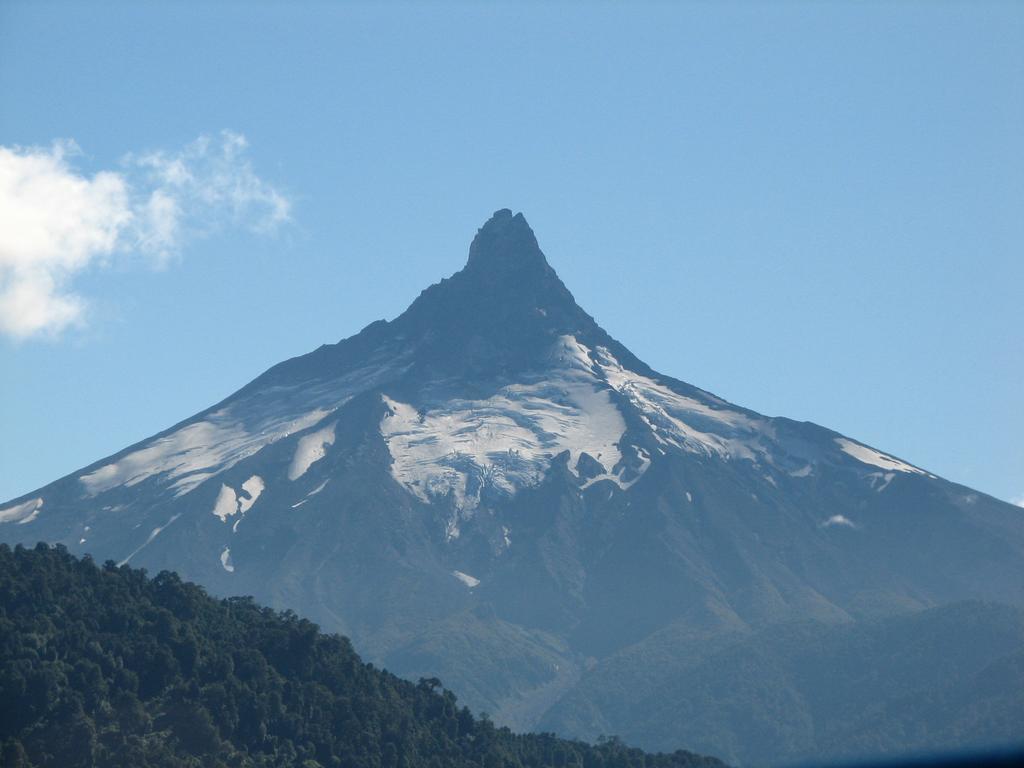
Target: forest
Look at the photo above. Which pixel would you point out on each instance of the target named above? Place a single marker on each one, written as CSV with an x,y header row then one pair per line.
x,y
106,666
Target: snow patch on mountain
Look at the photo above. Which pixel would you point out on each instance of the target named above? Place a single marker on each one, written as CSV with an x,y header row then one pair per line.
x,y
198,451
645,460
226,504
880,480
153,534
230,503
22,513
309,450
619,477
459,448
870,456
225,560
314,492
253,487
194,453
676,420
599,478
465,578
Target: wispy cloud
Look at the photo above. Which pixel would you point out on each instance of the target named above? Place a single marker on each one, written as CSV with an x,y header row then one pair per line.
x,y
1018,500
56,221
207,185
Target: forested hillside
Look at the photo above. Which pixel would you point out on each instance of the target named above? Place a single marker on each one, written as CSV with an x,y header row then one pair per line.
x,y
104,666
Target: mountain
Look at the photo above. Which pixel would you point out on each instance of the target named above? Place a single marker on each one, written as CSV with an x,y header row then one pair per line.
x,y
491,489
109,668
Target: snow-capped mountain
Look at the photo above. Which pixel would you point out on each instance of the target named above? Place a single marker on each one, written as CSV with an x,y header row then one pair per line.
x,y
492,489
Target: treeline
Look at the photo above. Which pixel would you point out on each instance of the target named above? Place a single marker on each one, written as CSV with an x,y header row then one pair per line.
x,y
104,666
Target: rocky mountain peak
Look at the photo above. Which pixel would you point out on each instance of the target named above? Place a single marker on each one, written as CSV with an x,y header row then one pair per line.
x,y
506,246
501,311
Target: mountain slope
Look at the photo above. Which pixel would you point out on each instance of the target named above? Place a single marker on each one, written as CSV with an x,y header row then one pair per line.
x,y
106,667
490,487
947,678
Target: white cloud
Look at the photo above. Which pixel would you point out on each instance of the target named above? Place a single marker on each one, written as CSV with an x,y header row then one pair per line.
x,y
1019,500
56,221
838,520
204,186
53,223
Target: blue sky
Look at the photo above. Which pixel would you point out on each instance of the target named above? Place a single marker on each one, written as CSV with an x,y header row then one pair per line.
x,y
813,210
